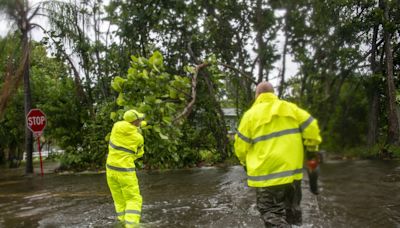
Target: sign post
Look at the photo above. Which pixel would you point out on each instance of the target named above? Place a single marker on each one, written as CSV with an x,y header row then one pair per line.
x,y
36,122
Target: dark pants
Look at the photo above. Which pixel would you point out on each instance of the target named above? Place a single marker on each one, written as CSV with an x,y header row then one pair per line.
x,y
280,205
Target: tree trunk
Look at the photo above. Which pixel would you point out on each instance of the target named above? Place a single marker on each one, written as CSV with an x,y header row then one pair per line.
x,y
260,42
373,119
393,122
27,103
374,99
283,71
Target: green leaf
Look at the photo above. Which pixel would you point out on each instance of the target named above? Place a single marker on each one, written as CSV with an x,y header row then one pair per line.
x,y
162,136
157,129
118,83
134,59
189,69
172,93
107,138
166,119
175,156
120,100
156,60
113,116
145,74
156,69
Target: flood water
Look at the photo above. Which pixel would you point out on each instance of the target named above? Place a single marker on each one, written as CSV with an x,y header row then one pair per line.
x,y
353,194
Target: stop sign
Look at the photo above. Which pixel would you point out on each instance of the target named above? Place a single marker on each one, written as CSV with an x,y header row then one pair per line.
x,y
36,121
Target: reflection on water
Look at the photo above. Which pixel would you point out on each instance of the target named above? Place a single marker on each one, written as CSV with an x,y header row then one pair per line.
x,y
353,194
202,197
356,194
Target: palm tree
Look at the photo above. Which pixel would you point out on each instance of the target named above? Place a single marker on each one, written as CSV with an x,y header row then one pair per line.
x,y
20,12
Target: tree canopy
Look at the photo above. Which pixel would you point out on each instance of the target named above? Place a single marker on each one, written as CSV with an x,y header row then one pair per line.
x,y
183,62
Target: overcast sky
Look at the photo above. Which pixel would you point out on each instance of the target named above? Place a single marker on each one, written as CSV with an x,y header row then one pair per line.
x,y
6,25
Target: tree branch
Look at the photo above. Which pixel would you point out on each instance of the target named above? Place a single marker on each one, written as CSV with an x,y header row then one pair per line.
x,y
77,80
240,72
33,14
189,107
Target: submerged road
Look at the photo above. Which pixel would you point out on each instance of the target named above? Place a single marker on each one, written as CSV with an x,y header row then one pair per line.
x,y
353,194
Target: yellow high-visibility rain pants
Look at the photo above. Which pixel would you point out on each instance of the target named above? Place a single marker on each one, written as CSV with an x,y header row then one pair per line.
x,y
125,192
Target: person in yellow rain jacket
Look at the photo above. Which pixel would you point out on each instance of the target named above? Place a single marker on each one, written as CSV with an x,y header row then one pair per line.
x,y
125,146
270,144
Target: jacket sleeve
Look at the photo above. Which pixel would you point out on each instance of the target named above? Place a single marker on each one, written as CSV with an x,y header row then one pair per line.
x,y
140,151
139,144
309,130
243,140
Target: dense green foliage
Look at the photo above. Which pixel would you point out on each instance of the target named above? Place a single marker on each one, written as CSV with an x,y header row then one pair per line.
x,y
182,62
149,89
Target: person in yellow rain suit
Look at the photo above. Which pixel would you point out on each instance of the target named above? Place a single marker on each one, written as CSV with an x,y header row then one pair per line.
x,y
270,144
125,146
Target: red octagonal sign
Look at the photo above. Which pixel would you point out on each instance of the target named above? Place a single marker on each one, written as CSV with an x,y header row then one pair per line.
x,y
36,121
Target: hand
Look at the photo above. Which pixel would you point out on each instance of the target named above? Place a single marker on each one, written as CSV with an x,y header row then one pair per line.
x,y
312,148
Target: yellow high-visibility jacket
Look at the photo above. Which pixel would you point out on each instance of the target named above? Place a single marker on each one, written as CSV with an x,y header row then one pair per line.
x,y
125,146
270,141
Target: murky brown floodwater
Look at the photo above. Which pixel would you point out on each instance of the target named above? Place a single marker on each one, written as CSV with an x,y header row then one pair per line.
x,y
354,194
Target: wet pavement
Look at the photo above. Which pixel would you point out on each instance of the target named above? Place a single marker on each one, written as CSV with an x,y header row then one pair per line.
x,y
353,194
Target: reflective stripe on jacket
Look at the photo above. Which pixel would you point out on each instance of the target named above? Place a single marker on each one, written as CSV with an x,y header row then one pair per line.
x,y
125,146
270,140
